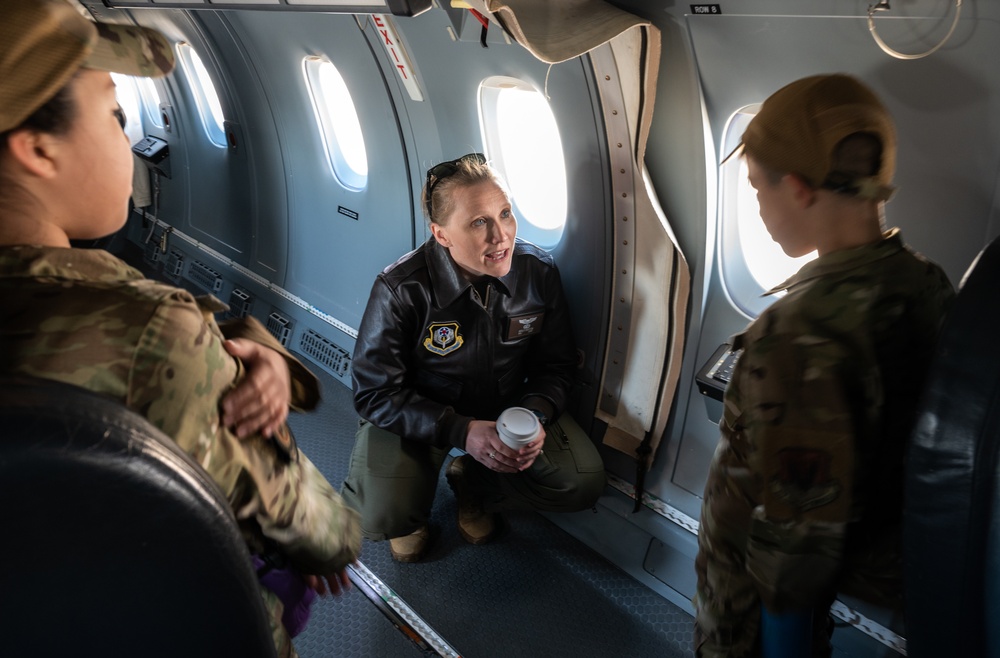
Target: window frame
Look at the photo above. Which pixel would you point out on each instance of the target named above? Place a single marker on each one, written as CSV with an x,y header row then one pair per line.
x,y
193,64
341,168
740,284
490,90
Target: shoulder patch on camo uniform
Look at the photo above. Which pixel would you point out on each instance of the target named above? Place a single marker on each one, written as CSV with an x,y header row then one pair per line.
x,y
444,338
285,443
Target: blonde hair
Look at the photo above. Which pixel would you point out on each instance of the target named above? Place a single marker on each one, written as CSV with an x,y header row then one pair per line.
x,y
467,171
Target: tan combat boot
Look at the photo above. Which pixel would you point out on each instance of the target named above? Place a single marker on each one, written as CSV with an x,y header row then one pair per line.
x,y
411,547
475,524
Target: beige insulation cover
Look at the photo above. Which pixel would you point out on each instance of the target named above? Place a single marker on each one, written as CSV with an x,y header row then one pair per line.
x,y
555,31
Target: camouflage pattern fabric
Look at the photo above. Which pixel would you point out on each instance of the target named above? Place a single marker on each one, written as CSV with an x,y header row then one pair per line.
x,y
131,50
804,493
45,42
86,318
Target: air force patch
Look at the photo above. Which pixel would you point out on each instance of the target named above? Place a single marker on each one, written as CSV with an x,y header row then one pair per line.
x,y
444,338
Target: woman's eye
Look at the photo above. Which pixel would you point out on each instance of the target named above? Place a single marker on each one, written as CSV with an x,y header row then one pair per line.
x,y
120,115
506,214
479,222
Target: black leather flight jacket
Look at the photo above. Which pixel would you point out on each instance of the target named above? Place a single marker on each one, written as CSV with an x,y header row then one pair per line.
x,y
432,355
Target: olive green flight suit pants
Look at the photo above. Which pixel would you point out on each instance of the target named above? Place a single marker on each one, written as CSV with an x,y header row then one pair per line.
x,y
392,481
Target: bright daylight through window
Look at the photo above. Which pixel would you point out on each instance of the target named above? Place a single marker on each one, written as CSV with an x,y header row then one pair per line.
x,y
338,122
522,141
751,262
206,97
768,264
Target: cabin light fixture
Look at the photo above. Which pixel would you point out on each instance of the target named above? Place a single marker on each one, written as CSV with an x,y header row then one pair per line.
x,y
395,7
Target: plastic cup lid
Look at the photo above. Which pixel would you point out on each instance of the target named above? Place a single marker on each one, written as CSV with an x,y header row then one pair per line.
x,y
518,423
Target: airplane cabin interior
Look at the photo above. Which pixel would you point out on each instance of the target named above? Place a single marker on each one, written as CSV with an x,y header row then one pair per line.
x,y
279,168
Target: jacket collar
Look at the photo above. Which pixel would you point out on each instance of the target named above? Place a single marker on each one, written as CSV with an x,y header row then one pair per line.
x,y
446,276
844,260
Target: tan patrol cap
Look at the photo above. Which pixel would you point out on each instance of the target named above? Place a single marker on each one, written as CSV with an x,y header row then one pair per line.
x,y
44,42
799,126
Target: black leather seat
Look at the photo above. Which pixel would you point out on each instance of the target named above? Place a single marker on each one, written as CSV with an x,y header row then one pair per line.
x,y
113,542
952,520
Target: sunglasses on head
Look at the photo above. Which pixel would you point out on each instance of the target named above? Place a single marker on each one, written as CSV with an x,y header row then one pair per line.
x,y
439,172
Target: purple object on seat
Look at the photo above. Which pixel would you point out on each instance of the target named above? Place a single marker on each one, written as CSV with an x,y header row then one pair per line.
x,y
295,594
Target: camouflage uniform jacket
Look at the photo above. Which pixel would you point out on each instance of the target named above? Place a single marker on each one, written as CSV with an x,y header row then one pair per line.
x,y
86,318
804,493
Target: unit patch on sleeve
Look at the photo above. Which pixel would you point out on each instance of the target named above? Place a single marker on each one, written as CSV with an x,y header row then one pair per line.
x,y
285,443
444,338
522,326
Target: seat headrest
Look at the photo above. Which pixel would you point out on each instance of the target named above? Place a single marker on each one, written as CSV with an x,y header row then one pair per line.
x,y
116,541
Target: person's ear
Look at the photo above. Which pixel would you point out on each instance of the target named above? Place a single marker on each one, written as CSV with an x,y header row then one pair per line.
x,y
441,235
34,151
803,193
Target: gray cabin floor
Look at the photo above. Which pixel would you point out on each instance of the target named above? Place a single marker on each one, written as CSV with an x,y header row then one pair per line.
x,y
535,591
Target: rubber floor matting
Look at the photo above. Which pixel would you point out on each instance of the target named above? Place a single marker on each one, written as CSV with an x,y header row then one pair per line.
x,y
534,592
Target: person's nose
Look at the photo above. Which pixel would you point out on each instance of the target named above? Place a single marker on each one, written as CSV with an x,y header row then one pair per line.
x,y
497,233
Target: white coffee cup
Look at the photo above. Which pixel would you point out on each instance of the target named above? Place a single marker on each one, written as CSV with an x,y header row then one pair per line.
x,y
518,427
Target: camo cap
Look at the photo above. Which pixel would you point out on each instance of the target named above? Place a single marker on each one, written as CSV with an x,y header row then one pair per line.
x,y
43,43
799,126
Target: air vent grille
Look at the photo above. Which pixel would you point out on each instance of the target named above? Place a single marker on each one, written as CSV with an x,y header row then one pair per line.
x,y
152,251
325,353
175,264
280,327
240,303
205,276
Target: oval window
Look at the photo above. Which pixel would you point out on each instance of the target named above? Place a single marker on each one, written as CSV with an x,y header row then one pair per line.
x,y
205,95
150,97
128,98
751,262
522,141
137,96
338,122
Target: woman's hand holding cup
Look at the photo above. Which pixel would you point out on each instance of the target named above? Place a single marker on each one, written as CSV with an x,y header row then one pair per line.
x,y
519,429
486,448
485,442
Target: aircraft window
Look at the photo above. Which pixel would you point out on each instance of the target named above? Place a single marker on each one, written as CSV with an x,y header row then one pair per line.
x,y
137,96
338,122
522,141
150,97
752,262
206,98
128,97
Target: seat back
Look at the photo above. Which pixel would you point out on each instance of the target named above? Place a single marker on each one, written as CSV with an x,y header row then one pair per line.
x,y
114,542
952,518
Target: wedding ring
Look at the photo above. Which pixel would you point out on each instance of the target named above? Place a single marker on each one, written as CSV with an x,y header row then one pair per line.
x,y
493,455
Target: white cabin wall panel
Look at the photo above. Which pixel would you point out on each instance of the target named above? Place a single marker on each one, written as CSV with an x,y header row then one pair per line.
x,y
255,213
947,122
333,256
946,107
214,194
214,179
